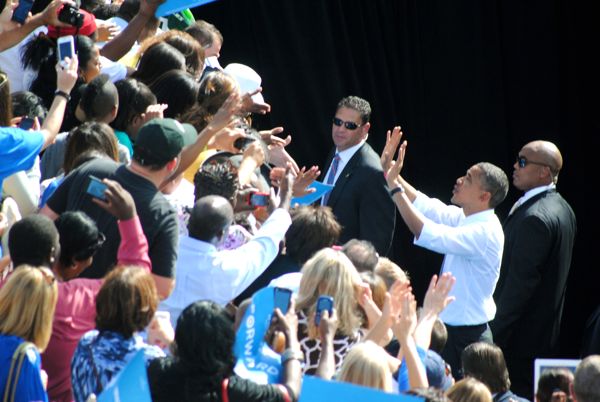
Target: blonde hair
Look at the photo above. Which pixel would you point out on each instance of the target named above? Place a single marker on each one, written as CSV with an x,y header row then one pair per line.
x,y
469,389
389,272
366,364
330,272
27,303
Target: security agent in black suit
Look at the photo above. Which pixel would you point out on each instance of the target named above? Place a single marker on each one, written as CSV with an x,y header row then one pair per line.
x,y
539,236
360,199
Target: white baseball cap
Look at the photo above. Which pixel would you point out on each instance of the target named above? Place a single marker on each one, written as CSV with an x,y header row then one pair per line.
x,y
247,79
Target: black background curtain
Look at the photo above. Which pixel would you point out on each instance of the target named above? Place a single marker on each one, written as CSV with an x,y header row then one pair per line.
x,y
468,81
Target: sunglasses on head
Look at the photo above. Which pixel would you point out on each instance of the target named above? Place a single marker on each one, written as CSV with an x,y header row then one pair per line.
x,y
350,125
522,162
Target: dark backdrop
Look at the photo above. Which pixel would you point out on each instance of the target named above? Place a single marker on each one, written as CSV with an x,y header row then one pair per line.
x,y
468,81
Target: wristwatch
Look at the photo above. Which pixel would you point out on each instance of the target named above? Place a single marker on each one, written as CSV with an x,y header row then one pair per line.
x,y
291,354
396,190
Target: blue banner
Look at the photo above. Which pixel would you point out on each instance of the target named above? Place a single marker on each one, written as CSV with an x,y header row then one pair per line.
x,y
317,390
321,190
172,6
131,384
256,360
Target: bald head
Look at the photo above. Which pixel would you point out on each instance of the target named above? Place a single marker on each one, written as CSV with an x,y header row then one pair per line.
x,y
209,218
547,153
587,380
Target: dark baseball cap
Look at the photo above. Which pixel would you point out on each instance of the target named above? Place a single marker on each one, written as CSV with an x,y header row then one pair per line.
x,y
161,140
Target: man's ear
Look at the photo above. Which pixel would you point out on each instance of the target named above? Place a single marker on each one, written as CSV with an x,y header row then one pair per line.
x,y
485,197
172,165
365,127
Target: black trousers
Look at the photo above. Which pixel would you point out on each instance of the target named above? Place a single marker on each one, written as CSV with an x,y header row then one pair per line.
x,y
459,337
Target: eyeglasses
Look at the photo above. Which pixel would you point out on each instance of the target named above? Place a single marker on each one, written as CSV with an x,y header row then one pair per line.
x,y
522,161
350,125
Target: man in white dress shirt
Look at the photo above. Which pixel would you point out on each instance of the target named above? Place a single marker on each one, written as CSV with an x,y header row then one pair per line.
x,y
205,273
470,235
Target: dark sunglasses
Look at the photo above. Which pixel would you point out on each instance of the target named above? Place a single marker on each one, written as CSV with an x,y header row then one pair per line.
x,y
350,125
522,161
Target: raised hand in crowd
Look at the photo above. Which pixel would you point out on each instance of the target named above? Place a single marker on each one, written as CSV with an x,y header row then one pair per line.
x,y
66,76
284,195
327,329
119,201
249,105
404,329
270,137
436,300
154,112
303,178
254,156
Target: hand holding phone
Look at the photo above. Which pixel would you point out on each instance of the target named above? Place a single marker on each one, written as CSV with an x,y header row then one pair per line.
x,y
282,299
258,199
323,303
66,48
22,11
26,123
96,188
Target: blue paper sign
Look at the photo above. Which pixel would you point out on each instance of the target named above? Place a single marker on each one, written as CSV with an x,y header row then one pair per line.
x,y
172,6
316,390
320,190
131,384
256,360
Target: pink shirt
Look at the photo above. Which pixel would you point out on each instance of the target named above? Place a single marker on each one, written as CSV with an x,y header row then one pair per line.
x,y
76,311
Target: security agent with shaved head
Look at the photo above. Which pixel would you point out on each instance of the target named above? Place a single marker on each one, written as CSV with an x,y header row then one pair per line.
x,y
540,233
470,236
360,200
586,386
156,156
205,272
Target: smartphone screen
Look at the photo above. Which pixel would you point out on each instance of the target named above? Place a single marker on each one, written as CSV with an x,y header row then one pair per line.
x,y
259,199
282,299
324,303
96,188
26,123
65,48
22,11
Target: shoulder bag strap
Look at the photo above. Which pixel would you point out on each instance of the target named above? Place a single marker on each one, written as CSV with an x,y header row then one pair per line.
x,y
14,372
224,392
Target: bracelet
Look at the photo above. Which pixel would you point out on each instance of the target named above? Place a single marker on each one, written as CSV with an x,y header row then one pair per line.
x,y
396,190
63,94
291,354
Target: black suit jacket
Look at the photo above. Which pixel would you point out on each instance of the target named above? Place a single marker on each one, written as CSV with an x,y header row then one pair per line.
x,y
361,202
530,294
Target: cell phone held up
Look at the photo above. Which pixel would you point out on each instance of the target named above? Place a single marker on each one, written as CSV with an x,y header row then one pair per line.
x,y
22,11
96,188
257,199
66,48
282,297
323,303
26,123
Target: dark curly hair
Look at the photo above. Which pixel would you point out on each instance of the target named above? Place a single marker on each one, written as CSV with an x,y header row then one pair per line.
x,y
216,179
203,356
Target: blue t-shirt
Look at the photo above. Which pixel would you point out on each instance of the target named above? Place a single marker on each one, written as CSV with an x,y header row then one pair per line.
x,y
123,138
18,149
29,386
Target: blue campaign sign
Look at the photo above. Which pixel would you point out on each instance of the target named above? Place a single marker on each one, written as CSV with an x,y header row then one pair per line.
x,y
131,384
172,6
320,190
256,360
316,390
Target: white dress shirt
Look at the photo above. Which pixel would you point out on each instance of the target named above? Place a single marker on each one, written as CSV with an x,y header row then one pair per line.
x,y
473,252
205,273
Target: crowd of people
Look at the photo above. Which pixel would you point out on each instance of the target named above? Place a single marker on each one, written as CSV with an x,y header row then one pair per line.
x,y
141,211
